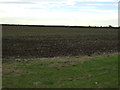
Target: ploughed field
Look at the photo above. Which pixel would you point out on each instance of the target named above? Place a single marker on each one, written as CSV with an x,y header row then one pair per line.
x,y
49,41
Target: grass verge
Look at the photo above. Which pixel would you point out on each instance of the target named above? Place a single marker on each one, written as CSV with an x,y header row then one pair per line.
x,y
62,72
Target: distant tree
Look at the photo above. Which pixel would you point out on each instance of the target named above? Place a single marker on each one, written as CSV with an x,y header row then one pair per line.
x,y
110,26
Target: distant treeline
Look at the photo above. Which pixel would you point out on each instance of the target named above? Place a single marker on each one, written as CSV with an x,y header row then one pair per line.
x,y
61,26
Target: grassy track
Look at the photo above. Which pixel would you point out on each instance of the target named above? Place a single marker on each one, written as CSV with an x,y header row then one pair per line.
x,y
62,72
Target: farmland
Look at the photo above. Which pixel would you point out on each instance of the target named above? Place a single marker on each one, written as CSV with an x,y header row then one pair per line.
x,y
29,41
59,57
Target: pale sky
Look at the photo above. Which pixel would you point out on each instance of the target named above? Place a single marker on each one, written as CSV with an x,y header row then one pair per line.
x,y
59,12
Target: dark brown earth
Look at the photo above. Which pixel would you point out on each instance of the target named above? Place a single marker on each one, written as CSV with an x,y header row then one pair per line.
x,y
26,41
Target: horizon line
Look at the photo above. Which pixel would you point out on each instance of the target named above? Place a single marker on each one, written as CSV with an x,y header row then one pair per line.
x,y
60,25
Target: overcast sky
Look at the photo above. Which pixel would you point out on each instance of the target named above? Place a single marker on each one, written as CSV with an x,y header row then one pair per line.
x,y
59,12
